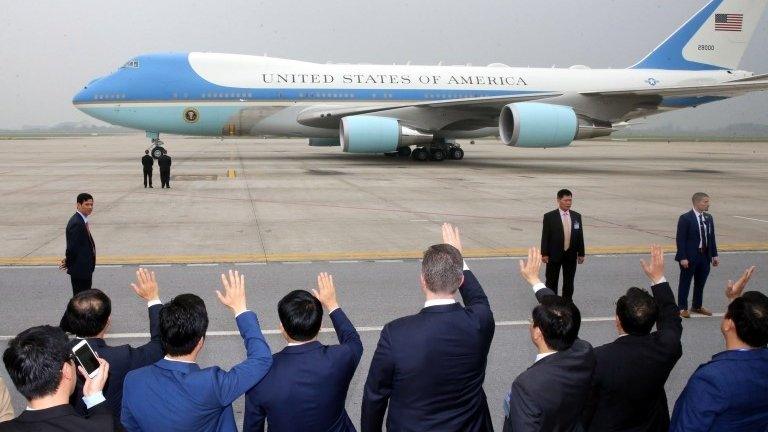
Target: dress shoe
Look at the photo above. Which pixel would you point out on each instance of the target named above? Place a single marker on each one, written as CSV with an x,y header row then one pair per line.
x,y
685,314
702,310
150,186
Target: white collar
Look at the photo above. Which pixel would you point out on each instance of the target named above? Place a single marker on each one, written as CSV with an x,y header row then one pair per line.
x,y
564,212
85,219
300,343
178,361
697,213
439,302
542,355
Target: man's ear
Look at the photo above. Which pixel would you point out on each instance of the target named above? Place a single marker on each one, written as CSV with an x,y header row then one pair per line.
x,y
461,282
423,282
69,370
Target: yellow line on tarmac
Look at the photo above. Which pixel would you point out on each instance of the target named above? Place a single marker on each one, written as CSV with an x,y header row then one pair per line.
x,y
342,256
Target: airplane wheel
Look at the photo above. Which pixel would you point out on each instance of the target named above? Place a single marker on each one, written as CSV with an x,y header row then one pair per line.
x,y
157,152
438,155
404,151
456,153
420,154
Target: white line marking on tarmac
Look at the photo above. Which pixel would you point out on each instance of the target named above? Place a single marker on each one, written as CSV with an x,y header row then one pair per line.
x,y
419,220
250,263
752,219
360,329
343,261
388,261
299,262
155,265
109,266
203,265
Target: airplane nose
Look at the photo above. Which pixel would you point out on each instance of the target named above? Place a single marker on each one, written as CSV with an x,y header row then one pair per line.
x,y
86,93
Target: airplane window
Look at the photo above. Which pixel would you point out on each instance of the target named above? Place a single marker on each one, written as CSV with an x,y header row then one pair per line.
x,y
249,94
133,64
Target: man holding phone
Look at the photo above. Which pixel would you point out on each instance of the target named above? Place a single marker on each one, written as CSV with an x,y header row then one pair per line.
x,y
88,316
40,364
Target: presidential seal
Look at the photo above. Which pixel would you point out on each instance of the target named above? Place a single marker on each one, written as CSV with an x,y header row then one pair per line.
x,y
191,115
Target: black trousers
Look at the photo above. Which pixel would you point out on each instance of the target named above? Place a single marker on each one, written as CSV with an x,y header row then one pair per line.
x,y
165,178
80,284
568,264
698,271
148,177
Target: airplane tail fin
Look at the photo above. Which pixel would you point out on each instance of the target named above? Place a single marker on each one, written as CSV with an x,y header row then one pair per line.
x,y
714,38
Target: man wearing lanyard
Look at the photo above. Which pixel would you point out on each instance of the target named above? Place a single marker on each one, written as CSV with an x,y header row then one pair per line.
x,y
562,243
80,257
696,248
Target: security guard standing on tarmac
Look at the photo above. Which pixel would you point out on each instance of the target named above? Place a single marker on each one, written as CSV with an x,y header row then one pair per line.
x,y
164,163
146,163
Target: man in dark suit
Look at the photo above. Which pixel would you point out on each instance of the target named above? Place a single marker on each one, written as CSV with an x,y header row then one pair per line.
x,y
628,386
80,256
175,394
88,317
562,243
146,163
696,248
550,395
306,387
430,367
164,164
730,392
39,362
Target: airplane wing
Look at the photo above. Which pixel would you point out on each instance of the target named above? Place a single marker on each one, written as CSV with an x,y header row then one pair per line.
x,y
730,88
329,116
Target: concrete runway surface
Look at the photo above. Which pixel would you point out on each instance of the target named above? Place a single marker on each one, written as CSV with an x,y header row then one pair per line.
x,y
372,294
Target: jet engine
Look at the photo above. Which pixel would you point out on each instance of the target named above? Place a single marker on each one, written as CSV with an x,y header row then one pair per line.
x,y
530,124
372,134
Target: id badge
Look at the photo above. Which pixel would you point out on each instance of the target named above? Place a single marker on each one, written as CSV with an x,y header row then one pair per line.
x,y
576,225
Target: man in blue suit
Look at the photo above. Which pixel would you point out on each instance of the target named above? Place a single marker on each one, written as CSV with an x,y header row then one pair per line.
x,y
306,387
88,315
174,394
429,367
696,248
730,393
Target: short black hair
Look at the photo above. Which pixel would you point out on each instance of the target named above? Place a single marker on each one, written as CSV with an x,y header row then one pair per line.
x,y
442,267
183,322
637,312
34,359
749,314
83,197
87,313
559,321
563,192
301,315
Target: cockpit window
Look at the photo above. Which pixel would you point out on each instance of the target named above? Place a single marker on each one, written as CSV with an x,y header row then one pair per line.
x,y
133,64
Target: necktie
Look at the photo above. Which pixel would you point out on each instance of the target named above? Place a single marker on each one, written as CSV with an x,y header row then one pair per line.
x,y
90,237
703,232
567,231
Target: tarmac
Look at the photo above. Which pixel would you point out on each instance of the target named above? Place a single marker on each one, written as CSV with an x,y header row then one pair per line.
x,y
292,202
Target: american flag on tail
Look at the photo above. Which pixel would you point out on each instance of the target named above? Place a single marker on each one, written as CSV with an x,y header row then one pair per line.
x,y
728,22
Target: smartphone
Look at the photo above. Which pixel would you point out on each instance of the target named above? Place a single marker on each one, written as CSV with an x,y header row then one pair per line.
x,y
86,357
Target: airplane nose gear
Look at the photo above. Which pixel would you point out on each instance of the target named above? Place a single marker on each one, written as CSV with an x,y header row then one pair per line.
x,y
157,149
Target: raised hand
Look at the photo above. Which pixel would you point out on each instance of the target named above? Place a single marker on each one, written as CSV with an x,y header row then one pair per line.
x,y
326,291
529,269
234,292
734,290
146,285
655,268
451,236
95,384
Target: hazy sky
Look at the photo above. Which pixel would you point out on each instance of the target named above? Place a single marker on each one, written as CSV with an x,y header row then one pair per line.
x,y
52,48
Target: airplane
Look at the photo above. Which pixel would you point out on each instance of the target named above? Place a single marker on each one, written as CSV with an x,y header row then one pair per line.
x,y
390,108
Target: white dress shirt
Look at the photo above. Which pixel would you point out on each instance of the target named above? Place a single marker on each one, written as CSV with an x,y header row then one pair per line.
x,y
698,226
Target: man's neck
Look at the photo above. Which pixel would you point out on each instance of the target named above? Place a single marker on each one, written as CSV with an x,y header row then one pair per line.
x,y
50,401
435,296
732,344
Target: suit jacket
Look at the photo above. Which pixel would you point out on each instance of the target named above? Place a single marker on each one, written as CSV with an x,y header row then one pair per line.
x,y
689,236
430,368
550,395
62,418
553,237
123,359
147,161
628,385
306,388
164,163
80,256
730,393
177,396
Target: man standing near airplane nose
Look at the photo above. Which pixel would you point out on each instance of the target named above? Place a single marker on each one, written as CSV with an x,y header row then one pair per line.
x,y
164,163
146,163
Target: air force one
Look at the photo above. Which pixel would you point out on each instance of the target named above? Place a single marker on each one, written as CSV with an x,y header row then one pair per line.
x,y
390,108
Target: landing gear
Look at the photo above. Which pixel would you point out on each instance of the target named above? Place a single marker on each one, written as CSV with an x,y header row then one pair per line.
x,y
157,145
404,151
438,151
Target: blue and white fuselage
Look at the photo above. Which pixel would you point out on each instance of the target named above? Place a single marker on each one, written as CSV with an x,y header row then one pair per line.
x,y
212,94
